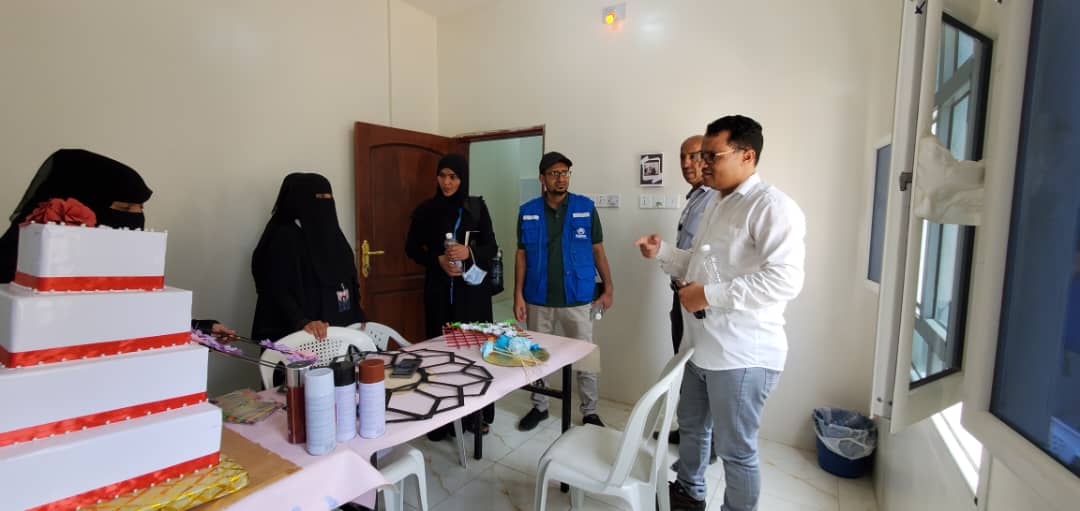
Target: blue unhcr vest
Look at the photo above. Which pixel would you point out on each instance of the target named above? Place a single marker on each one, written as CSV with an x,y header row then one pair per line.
x,y
579,268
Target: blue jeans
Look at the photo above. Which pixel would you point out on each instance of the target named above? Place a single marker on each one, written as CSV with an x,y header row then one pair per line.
x,y
725,405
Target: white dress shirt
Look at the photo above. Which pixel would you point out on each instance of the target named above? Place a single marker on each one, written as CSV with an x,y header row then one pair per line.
x,y
756,236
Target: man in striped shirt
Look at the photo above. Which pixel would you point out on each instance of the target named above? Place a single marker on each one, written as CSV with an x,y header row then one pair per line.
x,y
697,199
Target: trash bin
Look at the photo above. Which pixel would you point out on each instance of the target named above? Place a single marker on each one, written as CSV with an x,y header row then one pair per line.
x,y
845,441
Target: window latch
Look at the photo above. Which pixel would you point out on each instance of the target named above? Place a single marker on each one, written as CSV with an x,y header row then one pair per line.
x,y
905,181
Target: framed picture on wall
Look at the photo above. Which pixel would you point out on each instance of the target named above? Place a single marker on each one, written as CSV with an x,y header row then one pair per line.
x,y
652,169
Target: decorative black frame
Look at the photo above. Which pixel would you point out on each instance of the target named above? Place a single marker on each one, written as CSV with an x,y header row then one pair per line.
x,y
466,366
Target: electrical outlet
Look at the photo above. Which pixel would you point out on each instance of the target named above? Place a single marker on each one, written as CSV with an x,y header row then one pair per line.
x,y
613,200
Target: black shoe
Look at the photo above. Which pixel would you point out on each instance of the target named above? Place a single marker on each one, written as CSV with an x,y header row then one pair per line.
x,y
682,501
531,419
593,419
672,437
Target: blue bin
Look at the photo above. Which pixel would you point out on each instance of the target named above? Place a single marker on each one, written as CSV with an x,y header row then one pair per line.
x,y
838,465
845,442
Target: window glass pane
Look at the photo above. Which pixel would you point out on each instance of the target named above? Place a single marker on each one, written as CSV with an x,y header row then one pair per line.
x,y
965,48
946,273
1037,375
958,137
877,220
945,254
948,53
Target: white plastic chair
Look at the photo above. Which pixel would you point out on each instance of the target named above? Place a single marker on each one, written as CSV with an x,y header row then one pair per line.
x,y
336,344
382,335
403,461
629,464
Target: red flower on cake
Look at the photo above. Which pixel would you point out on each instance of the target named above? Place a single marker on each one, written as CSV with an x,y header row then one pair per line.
x,y
65,211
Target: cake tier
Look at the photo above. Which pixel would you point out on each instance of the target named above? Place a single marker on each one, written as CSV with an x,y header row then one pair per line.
x,y
67,471
40,328
54,257
54,399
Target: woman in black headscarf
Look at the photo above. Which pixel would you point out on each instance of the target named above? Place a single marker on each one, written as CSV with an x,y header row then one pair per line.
x,y
303,266
112,190
447,296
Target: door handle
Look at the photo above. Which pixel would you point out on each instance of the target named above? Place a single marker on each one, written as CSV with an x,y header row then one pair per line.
x,y
365,257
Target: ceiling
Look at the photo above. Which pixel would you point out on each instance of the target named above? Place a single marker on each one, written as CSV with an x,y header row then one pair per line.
x,y
440,8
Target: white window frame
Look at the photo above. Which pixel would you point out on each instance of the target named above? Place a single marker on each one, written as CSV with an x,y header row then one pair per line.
x,y
893,396
1043,474
1008,24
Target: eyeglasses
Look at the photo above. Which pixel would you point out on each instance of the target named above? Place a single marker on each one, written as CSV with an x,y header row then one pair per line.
x,y
694,156
712,156
557,173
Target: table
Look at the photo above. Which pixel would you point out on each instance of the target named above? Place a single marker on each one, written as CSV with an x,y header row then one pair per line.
x,y
270,433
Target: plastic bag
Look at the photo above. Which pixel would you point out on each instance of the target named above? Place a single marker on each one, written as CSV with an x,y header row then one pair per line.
x,y
845,432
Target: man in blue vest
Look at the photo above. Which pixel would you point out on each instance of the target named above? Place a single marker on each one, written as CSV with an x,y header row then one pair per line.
x,y
560,251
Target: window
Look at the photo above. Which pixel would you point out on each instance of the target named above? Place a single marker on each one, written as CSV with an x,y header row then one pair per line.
x,y
945,255
1036,388
880,206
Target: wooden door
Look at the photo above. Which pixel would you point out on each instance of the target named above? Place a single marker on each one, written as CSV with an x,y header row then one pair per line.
x,y
395,172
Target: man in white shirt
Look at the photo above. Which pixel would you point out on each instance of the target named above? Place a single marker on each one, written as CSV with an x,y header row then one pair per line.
x,y
745,264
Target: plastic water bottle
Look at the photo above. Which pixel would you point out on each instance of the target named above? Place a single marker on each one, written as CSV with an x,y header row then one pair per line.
x,y
712,264
450,242
497,270
597,312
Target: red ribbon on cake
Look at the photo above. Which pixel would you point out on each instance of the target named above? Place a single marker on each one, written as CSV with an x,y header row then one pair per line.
x,y
99,349
136,483
98,419
65,211
89,283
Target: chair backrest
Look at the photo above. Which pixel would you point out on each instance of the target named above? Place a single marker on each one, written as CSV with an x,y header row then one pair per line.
x,y
336,344
381,334
655,409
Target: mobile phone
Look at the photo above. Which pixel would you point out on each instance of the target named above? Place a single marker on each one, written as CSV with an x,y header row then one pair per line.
x,y
405,368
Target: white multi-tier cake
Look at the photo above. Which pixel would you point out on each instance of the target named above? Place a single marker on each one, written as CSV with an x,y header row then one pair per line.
x,y
100,391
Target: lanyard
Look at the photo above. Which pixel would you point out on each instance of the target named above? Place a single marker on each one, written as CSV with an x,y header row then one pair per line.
x,y
456,225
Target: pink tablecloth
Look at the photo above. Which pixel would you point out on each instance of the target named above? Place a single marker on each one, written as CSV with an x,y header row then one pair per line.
x,y
270,433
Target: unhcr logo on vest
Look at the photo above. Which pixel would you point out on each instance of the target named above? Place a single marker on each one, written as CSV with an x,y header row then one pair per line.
x,y
580,233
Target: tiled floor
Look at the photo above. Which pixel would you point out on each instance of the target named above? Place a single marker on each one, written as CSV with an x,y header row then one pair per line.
x,y
504,480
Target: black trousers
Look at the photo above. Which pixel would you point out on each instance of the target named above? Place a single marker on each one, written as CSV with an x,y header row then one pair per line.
x,y
676,322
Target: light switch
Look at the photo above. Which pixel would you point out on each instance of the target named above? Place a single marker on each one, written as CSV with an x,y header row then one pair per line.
x,y
645,201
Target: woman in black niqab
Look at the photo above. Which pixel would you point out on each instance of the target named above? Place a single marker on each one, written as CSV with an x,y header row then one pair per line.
x,y
109,188
303,266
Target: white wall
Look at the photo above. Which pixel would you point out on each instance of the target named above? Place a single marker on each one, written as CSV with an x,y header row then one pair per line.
x,y
213,102
606,96
414,92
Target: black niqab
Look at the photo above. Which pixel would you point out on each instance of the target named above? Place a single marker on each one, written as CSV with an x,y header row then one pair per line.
x,y
325,242
95,180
